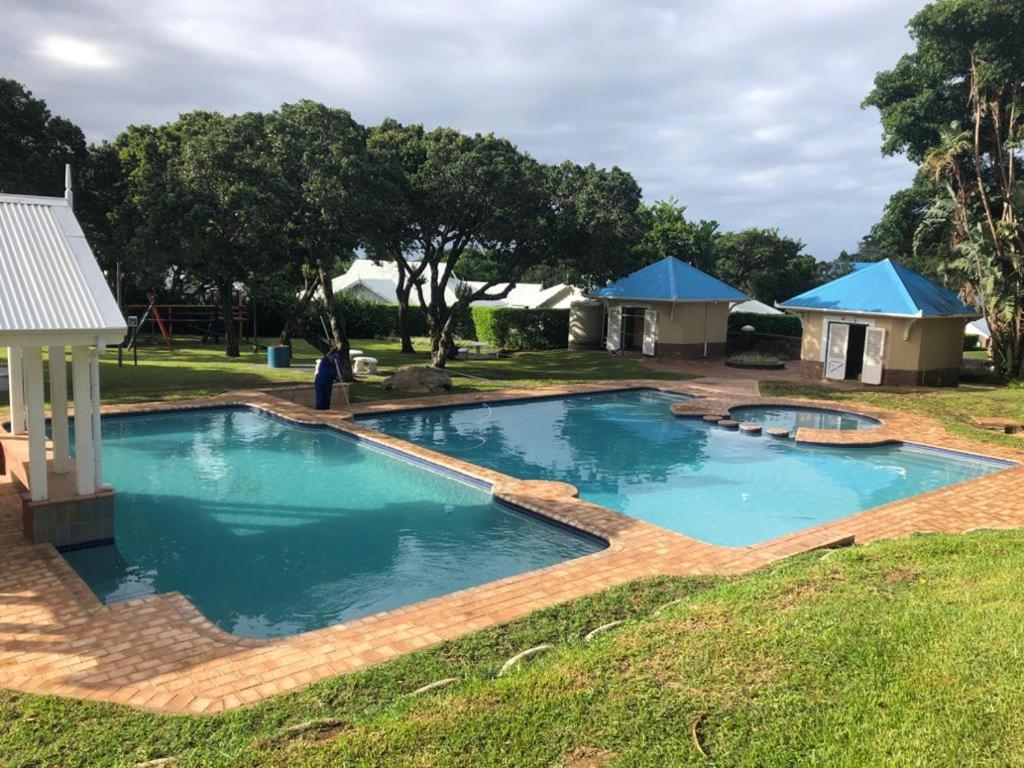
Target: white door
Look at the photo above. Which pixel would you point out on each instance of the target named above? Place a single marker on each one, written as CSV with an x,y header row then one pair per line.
x,y
874,356
614,337
835,354
650,330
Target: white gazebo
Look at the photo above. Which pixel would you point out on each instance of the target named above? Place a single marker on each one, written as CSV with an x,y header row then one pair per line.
x,y
53,296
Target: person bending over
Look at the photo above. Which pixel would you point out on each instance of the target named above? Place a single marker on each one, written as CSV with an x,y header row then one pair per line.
x,y
328,371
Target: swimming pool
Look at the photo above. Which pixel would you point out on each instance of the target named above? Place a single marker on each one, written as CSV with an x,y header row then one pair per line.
x,y
270,528
627,452
794,418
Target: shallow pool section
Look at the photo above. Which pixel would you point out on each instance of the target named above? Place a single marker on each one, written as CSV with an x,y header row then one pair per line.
x,y
795,418
627,452
272,529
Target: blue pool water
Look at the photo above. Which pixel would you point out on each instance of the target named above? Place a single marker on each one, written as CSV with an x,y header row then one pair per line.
x,y
625,451
795,418
272,529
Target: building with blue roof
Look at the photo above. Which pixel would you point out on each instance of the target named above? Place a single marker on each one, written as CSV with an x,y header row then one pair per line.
x,y
882,324
666,308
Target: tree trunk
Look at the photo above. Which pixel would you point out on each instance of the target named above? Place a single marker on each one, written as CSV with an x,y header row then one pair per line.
x,y
402,294
337,323
291,322
230,330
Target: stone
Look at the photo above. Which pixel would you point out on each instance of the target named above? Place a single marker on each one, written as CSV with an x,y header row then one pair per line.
x,y
415,378
780,432
750,428
729,423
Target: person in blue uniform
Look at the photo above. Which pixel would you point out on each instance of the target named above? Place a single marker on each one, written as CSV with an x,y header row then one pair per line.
x,y
327,372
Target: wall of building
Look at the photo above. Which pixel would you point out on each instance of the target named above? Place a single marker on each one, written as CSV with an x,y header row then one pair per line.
x,y
586,325
929,354
681,326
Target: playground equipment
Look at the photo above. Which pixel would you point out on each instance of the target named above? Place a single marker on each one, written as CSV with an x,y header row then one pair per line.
x,y
203,320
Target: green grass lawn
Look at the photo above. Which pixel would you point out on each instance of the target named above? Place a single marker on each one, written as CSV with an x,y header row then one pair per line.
x,y
196,370
900,653
954,407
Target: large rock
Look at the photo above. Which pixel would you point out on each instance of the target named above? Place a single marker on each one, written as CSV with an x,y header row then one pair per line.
x,y
416,378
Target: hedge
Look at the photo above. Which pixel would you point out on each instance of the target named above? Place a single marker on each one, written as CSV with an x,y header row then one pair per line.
x,y
371,320
778,325
511,328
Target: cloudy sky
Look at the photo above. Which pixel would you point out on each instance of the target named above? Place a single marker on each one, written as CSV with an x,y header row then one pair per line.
x,y
747,111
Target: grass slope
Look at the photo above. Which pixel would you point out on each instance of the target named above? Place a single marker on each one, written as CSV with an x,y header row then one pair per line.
x,y
954,407
901,653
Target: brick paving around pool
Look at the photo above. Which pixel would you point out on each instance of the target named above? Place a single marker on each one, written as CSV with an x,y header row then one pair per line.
x,y
159,653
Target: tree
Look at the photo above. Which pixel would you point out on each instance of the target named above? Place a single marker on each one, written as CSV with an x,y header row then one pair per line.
x,y
460,191
34,144
321,158
232,204
954,105
396,153
669,233
764,264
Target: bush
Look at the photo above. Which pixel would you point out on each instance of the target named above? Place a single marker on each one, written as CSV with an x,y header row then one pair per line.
x,y
370,320
512,328
777,325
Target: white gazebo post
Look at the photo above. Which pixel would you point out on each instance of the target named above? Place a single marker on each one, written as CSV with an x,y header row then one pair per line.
x,y
97,435
85,466
16,390
32,359
59,410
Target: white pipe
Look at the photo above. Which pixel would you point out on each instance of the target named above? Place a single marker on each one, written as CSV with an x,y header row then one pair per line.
x,y
32,357
94,390
16,390
705,329
68,194
59,410
85,467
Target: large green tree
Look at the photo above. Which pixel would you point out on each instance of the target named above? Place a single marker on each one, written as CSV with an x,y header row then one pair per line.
x,y
34,144
955,105
230,204
320,156
764,264
670,233
458,192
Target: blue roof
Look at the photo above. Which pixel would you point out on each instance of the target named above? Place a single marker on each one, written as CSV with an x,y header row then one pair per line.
x,y
885,288
670,280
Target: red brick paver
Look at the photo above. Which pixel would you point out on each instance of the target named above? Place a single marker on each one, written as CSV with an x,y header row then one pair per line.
x,y
161,654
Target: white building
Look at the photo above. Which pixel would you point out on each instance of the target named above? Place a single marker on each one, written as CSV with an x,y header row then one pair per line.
x,y
755,307
52,296
379,283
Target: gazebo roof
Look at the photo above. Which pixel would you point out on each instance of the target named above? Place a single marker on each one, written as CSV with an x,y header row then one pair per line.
x,y
670,280
51,288
882,288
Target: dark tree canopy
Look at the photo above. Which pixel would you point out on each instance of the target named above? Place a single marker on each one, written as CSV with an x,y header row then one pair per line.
x,y
34,144
764,264
670,233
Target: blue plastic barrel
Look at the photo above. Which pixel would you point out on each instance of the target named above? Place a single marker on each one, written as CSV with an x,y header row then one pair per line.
x,y
279,356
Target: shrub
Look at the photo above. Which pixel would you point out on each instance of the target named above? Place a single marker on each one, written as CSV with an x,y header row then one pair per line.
x,y
512,328
778,325
370,320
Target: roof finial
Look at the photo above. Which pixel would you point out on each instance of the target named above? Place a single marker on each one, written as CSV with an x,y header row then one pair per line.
x,y
68,194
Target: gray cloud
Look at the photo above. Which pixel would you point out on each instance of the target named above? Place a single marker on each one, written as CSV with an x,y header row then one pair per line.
x,y
746,110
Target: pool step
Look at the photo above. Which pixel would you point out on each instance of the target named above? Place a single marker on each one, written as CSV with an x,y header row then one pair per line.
x,y
779,433
749,428
729,423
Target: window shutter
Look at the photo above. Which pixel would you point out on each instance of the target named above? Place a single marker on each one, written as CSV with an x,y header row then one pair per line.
x,y
835,357
650,330
874,356
614,336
